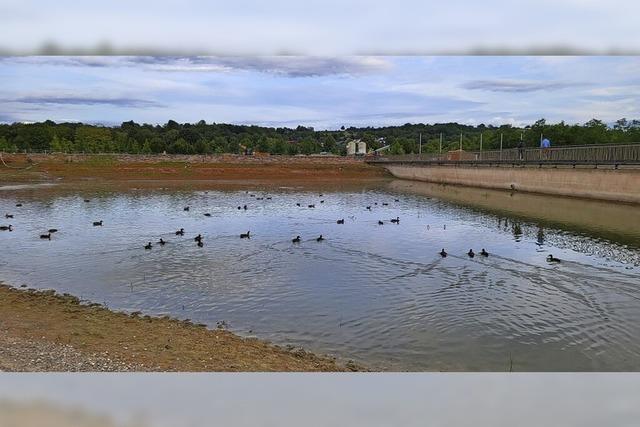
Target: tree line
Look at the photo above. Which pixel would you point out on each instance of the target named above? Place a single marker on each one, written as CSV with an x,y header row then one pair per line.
x,y
204,138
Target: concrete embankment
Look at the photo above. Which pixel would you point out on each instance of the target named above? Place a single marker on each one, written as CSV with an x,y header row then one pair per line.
x,y
620,185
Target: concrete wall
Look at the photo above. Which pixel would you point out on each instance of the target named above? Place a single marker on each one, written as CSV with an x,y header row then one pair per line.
x,y
603,184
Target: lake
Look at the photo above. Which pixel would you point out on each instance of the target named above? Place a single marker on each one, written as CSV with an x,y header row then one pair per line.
x,y
378,294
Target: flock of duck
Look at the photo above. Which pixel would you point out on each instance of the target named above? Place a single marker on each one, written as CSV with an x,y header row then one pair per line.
x,y
199,239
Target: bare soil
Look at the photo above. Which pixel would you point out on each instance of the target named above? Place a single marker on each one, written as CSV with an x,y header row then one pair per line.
x,y
44,331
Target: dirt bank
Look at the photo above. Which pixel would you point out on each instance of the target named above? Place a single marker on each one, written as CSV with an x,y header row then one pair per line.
x,y
62,168
42,331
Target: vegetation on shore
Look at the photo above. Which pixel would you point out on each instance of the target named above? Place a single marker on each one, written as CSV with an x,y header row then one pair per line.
x,y
157,343
204,138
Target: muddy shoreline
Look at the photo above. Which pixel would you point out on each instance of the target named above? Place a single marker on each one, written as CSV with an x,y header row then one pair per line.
x,y
45,331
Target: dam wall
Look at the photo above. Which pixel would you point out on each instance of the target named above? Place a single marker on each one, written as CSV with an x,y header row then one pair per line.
x,y
619,185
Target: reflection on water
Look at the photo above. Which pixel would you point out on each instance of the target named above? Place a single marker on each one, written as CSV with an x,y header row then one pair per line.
x,y
380,294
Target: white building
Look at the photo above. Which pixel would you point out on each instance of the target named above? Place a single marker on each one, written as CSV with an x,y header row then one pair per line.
x,y
356,147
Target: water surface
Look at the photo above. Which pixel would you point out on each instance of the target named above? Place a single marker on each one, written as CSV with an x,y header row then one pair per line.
x,y
379,294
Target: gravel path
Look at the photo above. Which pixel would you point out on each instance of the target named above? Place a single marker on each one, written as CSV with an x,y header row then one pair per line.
x,y
21,355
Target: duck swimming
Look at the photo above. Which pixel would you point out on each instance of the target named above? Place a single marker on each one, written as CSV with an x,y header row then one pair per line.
x,y
18,205
551,258
52,230
200,244
207,214
6,227
186,208
45,236
148,246
396,220
245,235
312,206
320,238
443,253
198,238
471,253
484,253
161,242
8,216
380,222
180,232
97,223
296,239
340,221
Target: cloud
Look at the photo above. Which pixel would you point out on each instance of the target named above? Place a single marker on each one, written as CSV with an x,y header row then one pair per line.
x,y
78,100
290,66
517,85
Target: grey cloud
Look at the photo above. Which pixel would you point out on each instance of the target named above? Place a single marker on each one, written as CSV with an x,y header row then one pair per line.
x,y
517,85
76,100
290,66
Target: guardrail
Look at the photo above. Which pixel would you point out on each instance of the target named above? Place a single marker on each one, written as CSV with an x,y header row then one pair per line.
x,y
582,154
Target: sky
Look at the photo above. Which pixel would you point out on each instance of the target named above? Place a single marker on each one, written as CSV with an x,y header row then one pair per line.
x,y
320,27
323,92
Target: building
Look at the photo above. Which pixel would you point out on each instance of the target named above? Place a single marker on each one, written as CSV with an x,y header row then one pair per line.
x,y
356,147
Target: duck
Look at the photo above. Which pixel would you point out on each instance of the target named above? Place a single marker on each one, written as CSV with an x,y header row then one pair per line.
x,y
87,200
298,204
471,253
443,253
8,216
148,246
296,239
396,200
396,220
551,258
484,253
312,206
385,204
340,221
97,223
180,232
207,214
52,230
259,198
18,205
321,201
239,207
320,238
380,222
320,195
268,198
6,227
198,238
375,203
368,208
45,236
161,242
186,208
246,235
244,207
200,244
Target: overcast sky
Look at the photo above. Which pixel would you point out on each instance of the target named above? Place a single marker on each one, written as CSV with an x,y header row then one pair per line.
x,y
324,92
321,27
